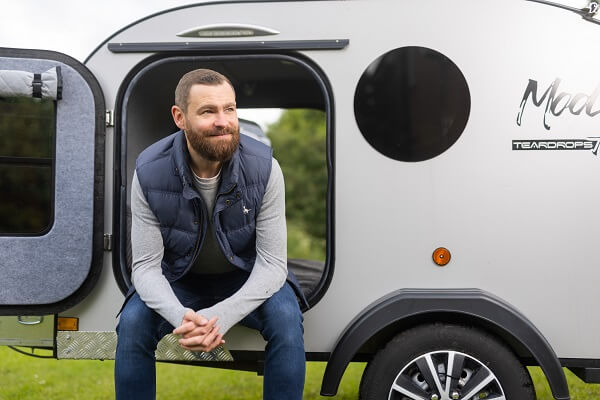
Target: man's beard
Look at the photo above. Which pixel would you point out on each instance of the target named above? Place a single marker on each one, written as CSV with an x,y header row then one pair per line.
x,y
214,149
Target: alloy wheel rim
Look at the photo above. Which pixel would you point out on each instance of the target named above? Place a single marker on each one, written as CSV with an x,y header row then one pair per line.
x,y
446,375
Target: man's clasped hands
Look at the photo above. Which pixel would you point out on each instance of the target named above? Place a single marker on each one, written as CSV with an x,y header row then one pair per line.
x,y
199,333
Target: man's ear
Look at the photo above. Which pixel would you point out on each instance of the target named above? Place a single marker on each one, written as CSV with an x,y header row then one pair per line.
x,y
178,117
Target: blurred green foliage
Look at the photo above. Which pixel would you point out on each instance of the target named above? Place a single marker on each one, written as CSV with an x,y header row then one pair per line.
x,y
303,245
299,144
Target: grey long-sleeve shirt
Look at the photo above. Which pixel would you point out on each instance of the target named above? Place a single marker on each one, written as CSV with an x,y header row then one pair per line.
x,y
267,276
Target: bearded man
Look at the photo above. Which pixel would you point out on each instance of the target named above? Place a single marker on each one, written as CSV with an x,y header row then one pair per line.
x,y
209,245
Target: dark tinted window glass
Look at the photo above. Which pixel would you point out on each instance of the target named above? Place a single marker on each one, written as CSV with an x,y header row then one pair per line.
x,y
27,129
25,206
412,103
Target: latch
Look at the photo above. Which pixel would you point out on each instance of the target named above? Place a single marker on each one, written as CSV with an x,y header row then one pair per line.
x,y
110,118
107,242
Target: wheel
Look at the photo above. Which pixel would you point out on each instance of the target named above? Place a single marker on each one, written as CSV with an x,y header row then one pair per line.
x,y
445,362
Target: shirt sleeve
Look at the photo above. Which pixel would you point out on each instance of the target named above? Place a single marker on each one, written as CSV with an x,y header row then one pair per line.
x,y
147,252
270,268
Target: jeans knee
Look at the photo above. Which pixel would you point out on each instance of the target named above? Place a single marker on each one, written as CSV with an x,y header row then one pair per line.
x,y
138,325
285,327
131,319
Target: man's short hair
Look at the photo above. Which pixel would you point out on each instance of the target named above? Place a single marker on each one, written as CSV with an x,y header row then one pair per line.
x,y
197,77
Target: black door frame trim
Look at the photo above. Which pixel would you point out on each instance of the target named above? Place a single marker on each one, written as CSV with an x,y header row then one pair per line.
x,y
120,158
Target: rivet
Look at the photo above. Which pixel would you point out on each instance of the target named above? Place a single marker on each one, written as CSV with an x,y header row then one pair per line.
x,y
228,202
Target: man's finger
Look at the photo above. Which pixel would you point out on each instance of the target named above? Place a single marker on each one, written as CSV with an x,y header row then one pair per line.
x,y
191,325
184,327
210,338
201,320
198,331
218,340
194,340
201,342
215,342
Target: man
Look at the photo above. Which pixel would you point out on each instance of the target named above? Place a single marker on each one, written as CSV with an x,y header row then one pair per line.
x,y
209,245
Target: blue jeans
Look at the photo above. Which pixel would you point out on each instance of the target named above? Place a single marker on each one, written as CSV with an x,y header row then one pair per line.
x,y
278,319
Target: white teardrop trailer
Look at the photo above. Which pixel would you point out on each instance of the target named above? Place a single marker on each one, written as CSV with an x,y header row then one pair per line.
x,y
462,156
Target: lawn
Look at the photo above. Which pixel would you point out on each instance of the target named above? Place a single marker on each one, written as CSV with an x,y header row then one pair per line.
x,y
29,378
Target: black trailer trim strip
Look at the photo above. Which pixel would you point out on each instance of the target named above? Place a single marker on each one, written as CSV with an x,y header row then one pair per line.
x,y
178,47
580,362
406,304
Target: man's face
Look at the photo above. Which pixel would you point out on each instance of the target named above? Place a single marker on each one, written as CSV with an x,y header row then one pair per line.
x,y
210,121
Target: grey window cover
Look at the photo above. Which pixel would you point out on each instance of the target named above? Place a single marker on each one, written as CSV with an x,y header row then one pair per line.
x,y
47,85
47,269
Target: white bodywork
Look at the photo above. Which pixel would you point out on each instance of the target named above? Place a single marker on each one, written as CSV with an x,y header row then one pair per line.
x,y
521,225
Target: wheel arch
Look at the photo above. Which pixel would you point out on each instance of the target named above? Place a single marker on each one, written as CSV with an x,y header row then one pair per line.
x,y
410,307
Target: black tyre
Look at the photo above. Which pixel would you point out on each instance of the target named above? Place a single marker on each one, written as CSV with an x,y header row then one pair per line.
x,y
445,362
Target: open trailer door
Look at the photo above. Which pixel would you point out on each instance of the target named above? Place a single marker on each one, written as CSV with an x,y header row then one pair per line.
x,y
52,120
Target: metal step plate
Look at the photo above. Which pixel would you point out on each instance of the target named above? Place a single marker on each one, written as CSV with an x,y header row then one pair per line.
x,y
102,346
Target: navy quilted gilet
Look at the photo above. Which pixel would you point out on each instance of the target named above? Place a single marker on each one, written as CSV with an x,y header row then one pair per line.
x,y
166,180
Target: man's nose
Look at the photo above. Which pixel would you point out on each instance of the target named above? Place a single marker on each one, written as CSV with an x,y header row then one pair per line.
x,y
221,119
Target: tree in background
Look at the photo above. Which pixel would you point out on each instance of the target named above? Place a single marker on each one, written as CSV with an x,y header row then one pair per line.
x,y
299,144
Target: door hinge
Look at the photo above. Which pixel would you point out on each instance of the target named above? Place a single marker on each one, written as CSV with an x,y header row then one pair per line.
x,y
110,118
107,242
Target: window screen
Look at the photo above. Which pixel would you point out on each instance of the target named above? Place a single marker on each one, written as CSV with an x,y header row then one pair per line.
x,y
27,130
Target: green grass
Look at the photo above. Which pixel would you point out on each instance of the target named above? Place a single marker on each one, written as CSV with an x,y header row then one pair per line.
x,y
29,378
23,377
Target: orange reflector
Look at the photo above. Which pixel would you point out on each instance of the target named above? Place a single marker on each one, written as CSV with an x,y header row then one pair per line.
x,y
441,256
68,324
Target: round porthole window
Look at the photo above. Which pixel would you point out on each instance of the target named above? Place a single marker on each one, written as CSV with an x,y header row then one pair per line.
x,y
412,103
